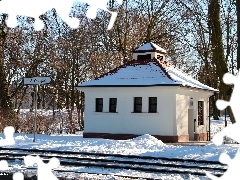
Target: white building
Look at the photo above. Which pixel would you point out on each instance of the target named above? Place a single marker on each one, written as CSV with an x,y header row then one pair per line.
x,y
146,96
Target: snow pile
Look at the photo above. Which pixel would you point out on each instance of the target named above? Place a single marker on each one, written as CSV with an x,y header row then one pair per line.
x,y
21,138
148,139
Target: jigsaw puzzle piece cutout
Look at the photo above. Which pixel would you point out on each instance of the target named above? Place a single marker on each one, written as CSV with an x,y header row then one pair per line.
x,y
91,13
224,158
221,104
53,163
29,160
44,169
7,8
229,78
233,168
234,100
35,8
212,177
29,8
231,131
217,139
94,6
9,139
63,8
3,165
112,20
18,176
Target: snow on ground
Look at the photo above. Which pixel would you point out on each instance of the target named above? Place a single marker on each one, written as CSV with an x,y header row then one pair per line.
x,y
145,145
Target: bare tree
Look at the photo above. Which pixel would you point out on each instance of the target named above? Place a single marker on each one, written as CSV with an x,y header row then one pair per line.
x,y
218,50
238,33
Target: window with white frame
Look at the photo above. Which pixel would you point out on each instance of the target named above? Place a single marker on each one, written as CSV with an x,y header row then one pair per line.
x,y
152,104
200,113
137,104
112,104
99,104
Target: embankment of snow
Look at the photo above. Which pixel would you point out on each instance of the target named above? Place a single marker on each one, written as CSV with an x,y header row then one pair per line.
x,y
148,139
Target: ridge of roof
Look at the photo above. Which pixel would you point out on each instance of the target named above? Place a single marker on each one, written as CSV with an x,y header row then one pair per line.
x,y
157,47
172,68
160,64
154,48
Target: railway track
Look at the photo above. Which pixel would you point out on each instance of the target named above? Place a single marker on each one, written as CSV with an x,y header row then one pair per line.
x,y
111,162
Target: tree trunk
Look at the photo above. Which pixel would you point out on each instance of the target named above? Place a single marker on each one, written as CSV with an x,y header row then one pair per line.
x,y
218,51
238,33
5,102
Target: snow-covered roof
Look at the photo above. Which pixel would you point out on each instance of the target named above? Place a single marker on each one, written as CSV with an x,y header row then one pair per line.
x,y
146,73
150,47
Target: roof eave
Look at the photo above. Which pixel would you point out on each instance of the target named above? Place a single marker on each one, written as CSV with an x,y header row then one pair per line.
x,y
149,85
144,51
214,90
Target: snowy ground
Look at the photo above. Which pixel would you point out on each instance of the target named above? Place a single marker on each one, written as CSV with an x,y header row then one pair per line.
x,y
145,145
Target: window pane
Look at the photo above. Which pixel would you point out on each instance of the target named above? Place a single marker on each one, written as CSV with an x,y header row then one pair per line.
x,y
152,100
100,100
99,104
112,104
113,108
137,104
113,101
152,106
138,100
200,113
138,108
99,108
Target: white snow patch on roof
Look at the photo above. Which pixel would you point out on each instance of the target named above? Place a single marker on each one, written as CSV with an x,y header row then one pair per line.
x,y
158,47
186,80
148,74
148,46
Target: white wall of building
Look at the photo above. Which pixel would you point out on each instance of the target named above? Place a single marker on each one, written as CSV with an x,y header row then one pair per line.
x,y
182,106
125,121
171,118
183,96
